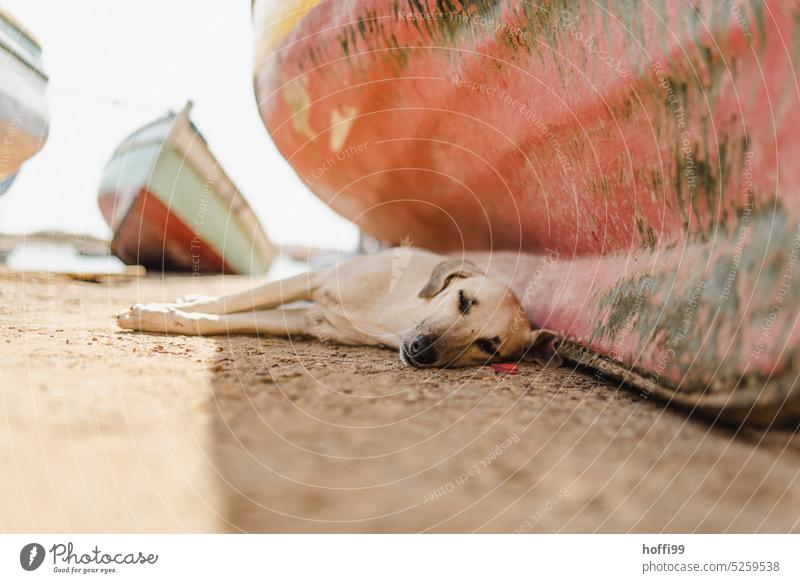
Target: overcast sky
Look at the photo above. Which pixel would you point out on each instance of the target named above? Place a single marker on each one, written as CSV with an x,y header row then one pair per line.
x,y
117,64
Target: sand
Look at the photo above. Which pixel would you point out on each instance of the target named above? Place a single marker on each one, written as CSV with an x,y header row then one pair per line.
x,y
105,430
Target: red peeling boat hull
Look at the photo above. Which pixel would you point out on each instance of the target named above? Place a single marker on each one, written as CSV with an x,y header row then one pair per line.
x,y
152,236
639,163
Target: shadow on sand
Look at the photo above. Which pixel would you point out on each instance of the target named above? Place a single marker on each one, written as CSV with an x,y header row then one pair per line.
x,y
316,438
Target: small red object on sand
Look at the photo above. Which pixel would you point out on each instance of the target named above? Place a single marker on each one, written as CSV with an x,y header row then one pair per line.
x,y
509,368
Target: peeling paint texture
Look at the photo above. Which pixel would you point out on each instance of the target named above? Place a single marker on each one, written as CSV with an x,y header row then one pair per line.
x,y
341,122
652,147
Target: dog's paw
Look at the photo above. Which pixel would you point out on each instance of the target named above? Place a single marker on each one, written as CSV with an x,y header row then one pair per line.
x,y
151,318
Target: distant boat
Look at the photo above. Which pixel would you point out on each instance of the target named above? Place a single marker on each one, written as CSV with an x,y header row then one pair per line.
x,y
24,121
171,206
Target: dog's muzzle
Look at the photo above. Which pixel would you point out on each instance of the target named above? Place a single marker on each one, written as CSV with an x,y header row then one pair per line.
x,y
420,352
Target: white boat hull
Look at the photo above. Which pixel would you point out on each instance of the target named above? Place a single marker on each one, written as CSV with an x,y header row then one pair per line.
x,y
24,124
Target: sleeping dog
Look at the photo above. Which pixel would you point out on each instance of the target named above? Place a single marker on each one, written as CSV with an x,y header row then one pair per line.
x,y
436,311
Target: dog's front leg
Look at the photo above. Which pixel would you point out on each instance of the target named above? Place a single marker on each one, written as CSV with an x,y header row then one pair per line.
x,y
270,295
171,320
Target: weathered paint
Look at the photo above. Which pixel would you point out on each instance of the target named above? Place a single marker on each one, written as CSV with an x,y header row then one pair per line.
x,y
152,235
273,21
171,206
711,325
651,147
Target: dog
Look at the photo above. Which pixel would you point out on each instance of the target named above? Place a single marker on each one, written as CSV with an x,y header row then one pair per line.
x,y
435,311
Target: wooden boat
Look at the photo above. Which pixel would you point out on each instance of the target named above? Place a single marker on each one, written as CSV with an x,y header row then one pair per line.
x,y
171,206
639,164
24,124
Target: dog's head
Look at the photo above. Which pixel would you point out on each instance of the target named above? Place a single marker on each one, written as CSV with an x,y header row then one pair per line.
x,y
471,320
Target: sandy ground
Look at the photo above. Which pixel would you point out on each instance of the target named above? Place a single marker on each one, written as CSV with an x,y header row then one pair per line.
x,y
103,430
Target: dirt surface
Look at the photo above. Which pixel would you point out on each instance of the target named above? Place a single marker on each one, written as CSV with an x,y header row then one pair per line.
x,y
104,430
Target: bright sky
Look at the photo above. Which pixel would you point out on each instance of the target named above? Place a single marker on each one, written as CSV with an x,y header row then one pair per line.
x,y
150,56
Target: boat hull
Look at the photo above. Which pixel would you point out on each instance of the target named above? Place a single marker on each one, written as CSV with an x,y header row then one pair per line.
x,y
178,247
651,149
24,123
171,207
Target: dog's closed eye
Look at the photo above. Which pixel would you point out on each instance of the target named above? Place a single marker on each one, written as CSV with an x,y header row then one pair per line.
x,y
488,345
465,302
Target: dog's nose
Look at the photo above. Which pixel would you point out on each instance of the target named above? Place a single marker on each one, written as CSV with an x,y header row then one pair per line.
x,y
422,351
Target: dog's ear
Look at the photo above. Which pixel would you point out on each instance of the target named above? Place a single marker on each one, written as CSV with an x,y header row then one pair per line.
x,y
445,272
543,348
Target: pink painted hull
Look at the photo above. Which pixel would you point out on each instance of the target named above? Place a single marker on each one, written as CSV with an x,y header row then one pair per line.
x,y
651,152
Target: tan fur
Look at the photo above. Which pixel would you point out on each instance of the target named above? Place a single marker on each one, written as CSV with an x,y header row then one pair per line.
x,y
400,298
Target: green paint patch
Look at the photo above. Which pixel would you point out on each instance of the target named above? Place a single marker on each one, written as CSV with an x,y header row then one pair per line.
x,y
731,305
